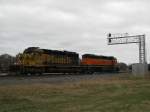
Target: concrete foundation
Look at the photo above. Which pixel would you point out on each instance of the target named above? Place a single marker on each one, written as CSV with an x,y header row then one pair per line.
x,y
139,69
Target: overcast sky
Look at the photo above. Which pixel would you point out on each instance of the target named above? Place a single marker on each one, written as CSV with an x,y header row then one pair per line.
x,y
74,25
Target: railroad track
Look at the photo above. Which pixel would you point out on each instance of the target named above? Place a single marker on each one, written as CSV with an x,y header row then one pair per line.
x,y
51,78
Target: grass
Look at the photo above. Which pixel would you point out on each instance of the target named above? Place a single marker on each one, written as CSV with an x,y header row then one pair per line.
x,y
115,94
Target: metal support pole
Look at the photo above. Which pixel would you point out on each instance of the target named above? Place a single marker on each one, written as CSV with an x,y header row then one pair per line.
x,y
142,51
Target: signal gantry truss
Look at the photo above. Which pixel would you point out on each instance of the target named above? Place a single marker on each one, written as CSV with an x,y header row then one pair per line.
x,y
114,39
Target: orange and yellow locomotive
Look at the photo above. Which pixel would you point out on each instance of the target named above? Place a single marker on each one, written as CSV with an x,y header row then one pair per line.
x,y
36,60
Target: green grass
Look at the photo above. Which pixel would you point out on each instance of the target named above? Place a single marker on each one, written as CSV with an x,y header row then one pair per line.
x,y
101,95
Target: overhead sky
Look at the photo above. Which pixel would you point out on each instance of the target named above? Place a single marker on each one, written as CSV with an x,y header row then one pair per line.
x,y
74,25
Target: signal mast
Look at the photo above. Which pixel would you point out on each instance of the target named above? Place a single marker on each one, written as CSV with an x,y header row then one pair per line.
x,y
114,39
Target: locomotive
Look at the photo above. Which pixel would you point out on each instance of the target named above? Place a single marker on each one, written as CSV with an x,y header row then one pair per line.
x,y
36,60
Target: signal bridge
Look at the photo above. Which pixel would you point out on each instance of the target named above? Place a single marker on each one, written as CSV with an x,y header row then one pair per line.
x,y
114,39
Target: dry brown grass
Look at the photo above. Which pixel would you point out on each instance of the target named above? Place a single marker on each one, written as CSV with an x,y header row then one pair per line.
x,y
110,94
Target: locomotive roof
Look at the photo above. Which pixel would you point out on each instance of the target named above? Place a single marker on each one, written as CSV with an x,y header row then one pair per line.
x,y
31,50
49,51
97,56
